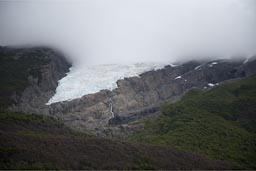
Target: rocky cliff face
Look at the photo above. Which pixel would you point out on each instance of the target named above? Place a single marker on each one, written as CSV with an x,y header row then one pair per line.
x,y
29,76
110,113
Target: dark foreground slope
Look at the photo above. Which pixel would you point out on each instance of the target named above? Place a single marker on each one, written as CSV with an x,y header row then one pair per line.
x,y
35,142
219,123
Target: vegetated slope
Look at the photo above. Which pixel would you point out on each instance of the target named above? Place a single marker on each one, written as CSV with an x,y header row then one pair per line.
x,y
219,123
30,141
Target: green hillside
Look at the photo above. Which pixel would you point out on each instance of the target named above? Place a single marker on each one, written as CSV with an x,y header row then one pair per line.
x,y
219,123
30,141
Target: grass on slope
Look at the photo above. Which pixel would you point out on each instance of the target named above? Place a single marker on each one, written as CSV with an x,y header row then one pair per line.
x,y
38,142
219,123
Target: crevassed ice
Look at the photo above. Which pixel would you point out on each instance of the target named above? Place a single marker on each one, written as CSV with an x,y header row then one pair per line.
x,y
85,80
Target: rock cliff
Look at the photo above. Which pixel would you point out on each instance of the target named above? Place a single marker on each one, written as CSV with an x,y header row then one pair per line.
x,y
29,77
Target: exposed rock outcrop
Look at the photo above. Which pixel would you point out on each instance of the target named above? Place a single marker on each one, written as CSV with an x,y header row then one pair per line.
x,y
35,73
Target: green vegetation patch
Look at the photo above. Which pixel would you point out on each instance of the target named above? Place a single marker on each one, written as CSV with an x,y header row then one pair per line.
x,y
219,123
27,118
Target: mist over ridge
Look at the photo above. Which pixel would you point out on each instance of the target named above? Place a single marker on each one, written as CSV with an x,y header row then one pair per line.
x,y
132,31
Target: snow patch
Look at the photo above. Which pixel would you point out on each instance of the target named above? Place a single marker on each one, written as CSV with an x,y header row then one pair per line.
x,y
177,77
85,80
213,63
246,60
199,67
196,68
211,84
174,65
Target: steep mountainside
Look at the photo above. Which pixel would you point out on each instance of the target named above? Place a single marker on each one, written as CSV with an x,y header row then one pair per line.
x,y
28,76
219,123
107,113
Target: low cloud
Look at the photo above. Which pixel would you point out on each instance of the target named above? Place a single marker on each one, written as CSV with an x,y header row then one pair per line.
x,y
128,31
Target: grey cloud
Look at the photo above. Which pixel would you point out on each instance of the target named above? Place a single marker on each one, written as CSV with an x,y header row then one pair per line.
x,y
125,31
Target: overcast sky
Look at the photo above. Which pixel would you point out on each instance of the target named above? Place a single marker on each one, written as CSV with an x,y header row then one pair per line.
x,y
122,31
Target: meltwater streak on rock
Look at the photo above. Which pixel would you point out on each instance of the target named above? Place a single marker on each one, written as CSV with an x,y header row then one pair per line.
x,y
85,80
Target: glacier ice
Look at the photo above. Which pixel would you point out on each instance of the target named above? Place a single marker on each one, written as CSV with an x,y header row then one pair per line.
x,y
91,79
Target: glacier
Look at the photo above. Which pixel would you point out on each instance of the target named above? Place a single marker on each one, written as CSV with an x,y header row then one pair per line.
x,y
89,79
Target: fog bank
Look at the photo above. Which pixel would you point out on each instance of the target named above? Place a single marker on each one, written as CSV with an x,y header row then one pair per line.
x,y
132,31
